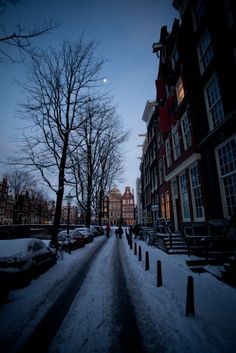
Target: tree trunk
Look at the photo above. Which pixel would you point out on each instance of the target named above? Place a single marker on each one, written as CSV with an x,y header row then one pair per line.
x,y
60,193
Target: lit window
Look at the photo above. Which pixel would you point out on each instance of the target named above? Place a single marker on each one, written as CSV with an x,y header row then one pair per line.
x,y
163,211
180,90
167,204
214,104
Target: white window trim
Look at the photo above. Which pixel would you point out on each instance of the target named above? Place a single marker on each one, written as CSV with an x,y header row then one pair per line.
x,y
200,57
209,118
168,152
182,201
182,130
200,219
176,129
220,179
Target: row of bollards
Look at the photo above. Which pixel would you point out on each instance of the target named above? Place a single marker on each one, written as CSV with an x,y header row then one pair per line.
x,y
190,284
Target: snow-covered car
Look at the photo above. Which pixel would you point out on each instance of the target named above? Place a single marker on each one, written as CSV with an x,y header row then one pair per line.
x,y
23,259
75,239
85,232
97,230
68,242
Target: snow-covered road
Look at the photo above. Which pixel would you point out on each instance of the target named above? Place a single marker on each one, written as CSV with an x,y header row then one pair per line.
x,y
112,301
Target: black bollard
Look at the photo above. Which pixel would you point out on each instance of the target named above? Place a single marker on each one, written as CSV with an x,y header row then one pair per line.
x,y
159,274
139,253
190,298
147,261
135,249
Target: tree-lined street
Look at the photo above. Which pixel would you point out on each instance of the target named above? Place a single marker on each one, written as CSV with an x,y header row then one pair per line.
x,y
101,299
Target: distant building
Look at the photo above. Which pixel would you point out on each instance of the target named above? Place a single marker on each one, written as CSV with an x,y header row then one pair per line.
x,y
6,203
73,216
127,207
114,207
118,208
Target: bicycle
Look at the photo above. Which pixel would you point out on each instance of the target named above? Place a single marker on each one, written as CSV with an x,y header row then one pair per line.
x,y
60,252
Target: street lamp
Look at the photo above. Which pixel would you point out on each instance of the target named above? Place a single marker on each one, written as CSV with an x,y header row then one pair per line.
x,y
68,199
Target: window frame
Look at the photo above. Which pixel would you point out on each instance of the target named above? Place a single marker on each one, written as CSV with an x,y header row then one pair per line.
x,y
228,173
179,89
215,111
204,51
194,189
186,131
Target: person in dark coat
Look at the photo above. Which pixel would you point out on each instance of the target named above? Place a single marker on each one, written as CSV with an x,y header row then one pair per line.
x,y
108,228
120,231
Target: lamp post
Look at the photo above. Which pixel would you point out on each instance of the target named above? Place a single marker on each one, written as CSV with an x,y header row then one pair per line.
x,y
68,199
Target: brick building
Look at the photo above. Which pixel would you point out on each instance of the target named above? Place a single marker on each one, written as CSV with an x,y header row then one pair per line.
x,y
188,167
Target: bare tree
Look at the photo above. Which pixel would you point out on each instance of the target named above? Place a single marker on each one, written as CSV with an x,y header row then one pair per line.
x,y
97,162
60,85
19,182
19,37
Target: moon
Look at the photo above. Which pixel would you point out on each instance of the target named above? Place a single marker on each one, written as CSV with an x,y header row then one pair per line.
x,y
105,80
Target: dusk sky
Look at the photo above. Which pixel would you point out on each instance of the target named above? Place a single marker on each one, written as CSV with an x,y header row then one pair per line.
x,y
124,30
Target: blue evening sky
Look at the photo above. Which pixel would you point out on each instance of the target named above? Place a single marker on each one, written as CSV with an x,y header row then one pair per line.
x,y
124,30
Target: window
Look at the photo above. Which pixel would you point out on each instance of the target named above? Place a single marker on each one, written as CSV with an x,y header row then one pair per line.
x,y
158,140
176,142
161,175
196,193
186,131
229,13
168,152
214,104
163,211
197,12
226,159
205,53
167,201
174,57
179,90
184,198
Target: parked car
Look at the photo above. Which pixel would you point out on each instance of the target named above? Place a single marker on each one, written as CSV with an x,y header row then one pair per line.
x,y
23,259
86,233
68,241
98,229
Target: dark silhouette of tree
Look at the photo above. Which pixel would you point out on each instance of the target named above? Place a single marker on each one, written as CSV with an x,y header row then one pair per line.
x,y
60,85
19,37
96,164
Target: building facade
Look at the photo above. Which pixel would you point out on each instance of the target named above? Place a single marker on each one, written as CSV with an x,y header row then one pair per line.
x,y
188,168
127,207
119,209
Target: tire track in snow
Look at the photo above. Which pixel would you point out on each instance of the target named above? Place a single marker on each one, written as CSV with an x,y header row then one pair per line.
x,y
39,340
127,337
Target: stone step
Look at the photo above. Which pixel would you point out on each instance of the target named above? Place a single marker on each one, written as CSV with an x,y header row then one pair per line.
x,y
177,252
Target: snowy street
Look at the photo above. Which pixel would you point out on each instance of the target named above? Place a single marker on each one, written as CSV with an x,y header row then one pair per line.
x,y
101,299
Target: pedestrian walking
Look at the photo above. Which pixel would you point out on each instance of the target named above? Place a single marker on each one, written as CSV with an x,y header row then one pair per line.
x,y
120,231
108,228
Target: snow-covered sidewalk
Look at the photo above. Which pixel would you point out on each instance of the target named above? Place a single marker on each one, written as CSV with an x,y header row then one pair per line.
x,y
160,310
212,329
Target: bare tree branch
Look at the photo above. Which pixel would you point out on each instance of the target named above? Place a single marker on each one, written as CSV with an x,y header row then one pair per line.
x,y
20,37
